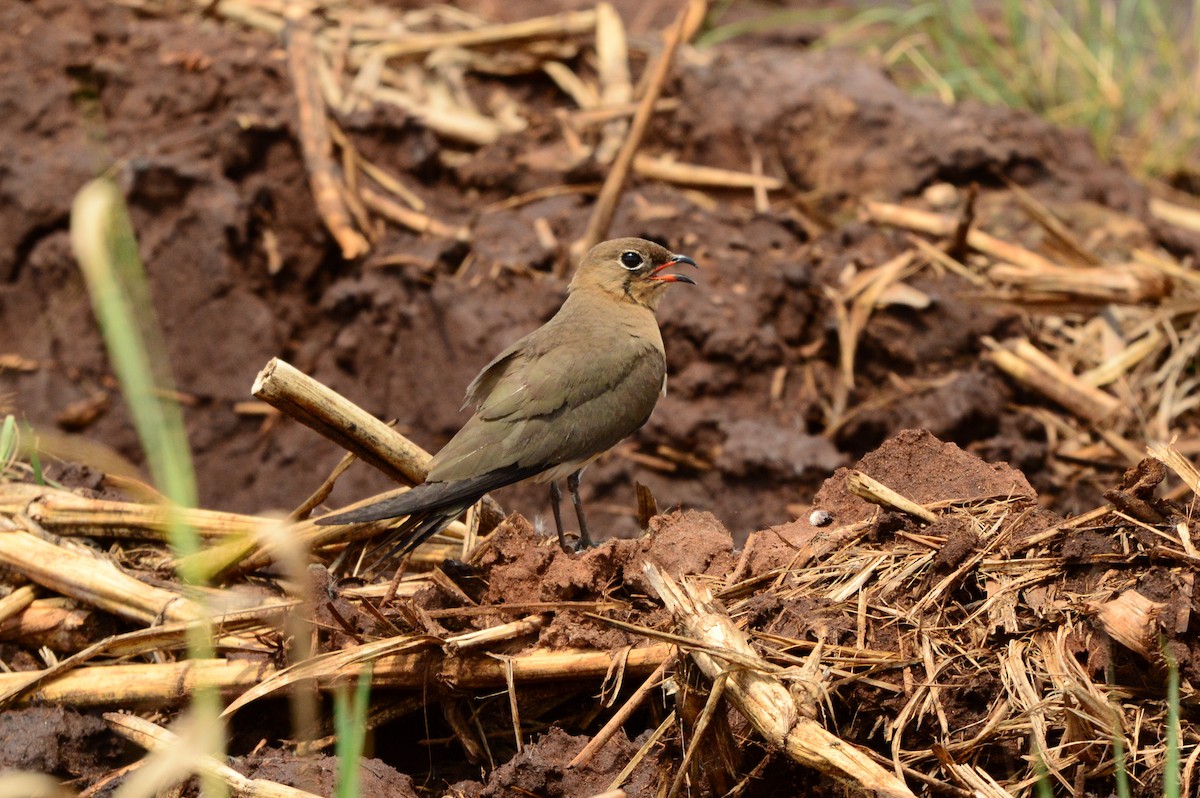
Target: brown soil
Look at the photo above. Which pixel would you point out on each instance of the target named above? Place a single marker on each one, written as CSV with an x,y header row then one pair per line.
x,y
199,118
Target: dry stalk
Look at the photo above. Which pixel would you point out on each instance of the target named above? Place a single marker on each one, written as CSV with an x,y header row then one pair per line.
x,y
16,602
651,741
452,121
155,738
64,513
90,578
1118,364
1132,620
760,694
616,86
156,639
170,683
614,184
151,685
315,140
876,492
336,418
1051,223
1173,213
567,24
416,221
1024,362
858,301
57,623
669,170
941,225
620,716
1129,283
494,634
1183,468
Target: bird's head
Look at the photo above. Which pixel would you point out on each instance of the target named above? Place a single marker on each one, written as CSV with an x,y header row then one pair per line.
x,y
633,269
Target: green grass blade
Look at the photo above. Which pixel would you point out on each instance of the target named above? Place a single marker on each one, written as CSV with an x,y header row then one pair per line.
x,y
103,241
8,443
1120,768
1171,785
350,725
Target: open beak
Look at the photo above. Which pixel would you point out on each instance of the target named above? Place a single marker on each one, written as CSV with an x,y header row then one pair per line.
x,y
674,278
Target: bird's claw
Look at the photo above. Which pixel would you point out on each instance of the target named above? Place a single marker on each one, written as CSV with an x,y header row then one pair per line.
x,y
575,545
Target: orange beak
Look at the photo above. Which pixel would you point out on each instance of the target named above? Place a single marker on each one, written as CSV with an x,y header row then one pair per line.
x,y
674,278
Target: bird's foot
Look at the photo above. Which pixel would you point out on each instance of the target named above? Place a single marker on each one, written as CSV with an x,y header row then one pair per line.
x,y
575,544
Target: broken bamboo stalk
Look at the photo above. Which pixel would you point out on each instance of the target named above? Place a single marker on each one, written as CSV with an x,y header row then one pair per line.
x,y
760,694
337,419
65,513
56,623
1132,620
874,491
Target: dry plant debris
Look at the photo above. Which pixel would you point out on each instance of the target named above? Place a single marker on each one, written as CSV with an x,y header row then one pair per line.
x,y
343,59
1113,339
994,643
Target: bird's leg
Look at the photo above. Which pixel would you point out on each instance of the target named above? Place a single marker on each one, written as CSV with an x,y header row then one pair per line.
x,y
585,540
555,505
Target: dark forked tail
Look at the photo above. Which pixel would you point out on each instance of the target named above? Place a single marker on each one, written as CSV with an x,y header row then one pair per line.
x,y
430,507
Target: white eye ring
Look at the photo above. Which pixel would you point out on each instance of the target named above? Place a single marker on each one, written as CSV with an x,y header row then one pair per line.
x,y
631,260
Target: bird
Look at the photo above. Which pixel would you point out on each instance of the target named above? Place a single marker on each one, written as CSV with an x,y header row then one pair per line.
x,y
553,401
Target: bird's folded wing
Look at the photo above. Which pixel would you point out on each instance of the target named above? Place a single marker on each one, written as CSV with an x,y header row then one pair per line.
x,y
531,383
555,406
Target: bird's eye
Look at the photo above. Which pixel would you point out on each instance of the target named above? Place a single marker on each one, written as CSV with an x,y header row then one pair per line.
x,y
631,260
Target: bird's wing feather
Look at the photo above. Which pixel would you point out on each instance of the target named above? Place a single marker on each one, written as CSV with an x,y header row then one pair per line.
x,y
542,408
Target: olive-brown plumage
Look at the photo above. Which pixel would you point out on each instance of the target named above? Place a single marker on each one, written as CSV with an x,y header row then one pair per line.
x,y
556,399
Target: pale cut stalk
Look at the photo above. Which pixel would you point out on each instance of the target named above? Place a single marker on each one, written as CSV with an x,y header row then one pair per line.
x,y
155,738
689,174
940,225
66,513
92,580
876,492
1132,620
155,685
1024,362
331,415
17,601
1128,283
495,634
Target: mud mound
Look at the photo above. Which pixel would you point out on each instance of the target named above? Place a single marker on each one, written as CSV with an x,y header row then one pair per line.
x,y
199,118
994,642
